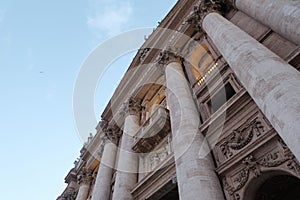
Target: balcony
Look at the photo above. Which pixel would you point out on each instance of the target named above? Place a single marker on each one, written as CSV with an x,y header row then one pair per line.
x,y
152,131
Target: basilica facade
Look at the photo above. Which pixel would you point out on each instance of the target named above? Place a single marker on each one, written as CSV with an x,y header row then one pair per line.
x,y
209,109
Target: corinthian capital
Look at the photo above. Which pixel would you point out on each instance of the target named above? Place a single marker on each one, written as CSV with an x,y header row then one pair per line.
x,y
112,133
132,107
169,55
84,177
204,8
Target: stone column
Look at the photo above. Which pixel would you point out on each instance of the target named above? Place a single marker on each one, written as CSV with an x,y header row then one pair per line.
x,y
84,181
272,83
102,188
128,161
283,16
195,172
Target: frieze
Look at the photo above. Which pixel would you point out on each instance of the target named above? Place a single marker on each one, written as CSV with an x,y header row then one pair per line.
x,y
271,160
241,137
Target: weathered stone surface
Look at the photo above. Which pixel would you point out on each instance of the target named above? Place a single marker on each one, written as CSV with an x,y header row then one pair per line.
x,y
84,180
281,15
195,174
128,161
102,186
272,83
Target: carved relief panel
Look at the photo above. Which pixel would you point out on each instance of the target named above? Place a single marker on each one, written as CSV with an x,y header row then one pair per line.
x,y
153,159
273,157
239,138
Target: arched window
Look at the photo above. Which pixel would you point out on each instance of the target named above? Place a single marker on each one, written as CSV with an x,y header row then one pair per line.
x,y
280,187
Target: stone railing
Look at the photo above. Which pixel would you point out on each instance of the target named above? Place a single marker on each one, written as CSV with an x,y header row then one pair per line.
x,y
152,131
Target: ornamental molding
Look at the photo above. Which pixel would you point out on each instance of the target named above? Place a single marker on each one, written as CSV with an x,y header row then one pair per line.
x,y
84,177
202,9
241,137
69,195
132,107
254,167
112,133
171,54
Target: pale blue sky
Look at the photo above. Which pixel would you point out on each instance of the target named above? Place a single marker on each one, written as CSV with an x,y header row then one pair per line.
x,y
42,46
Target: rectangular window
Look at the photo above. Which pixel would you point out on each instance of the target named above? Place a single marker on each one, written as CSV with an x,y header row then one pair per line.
x,y
221,97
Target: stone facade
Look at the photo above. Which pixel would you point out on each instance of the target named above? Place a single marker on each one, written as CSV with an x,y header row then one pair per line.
x,y
215,115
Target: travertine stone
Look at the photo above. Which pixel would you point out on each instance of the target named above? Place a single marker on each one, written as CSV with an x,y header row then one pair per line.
x,y
102,186
195,174
84,180
283,16
272,83
128,161
83,192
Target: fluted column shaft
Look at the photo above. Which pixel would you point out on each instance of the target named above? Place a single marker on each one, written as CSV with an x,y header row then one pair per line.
x,y
272,83
126,176
195,174
283,16
102,186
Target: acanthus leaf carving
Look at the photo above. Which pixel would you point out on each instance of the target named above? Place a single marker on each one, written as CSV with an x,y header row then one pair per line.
x,y
292,163
271,160
252,165
241,179
132,107
241,137
202,9
112,133
84,177
294,166
171,54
